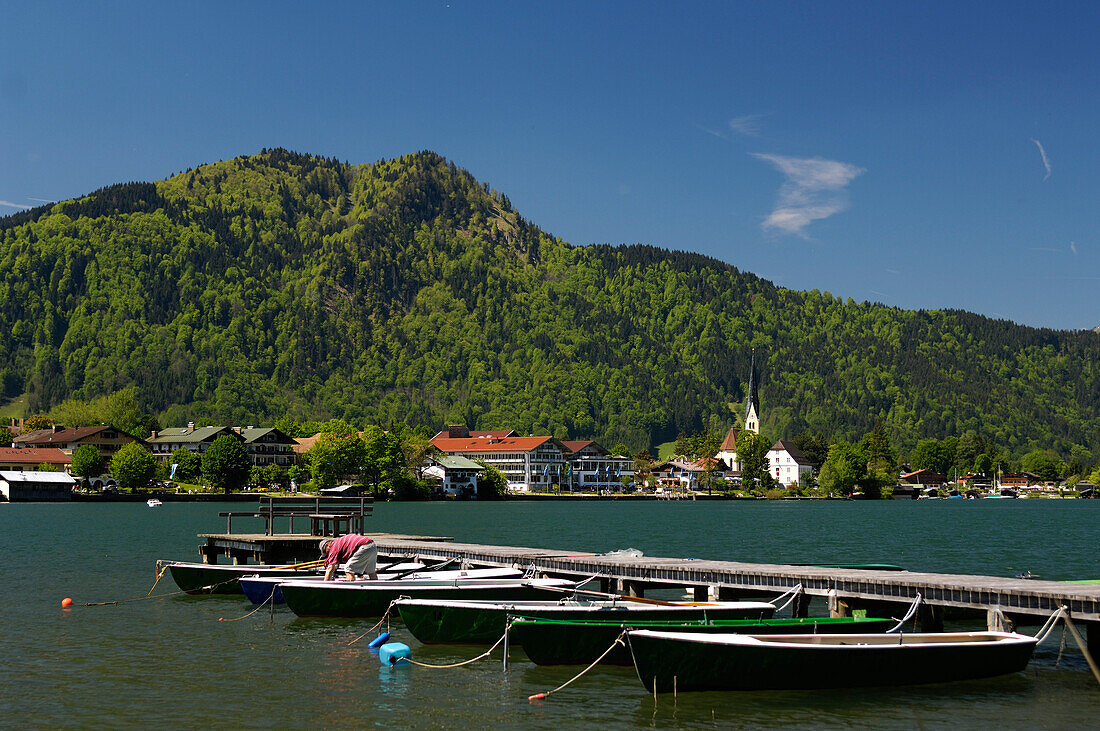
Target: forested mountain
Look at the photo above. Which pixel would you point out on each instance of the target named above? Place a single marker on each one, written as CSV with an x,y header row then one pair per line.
x,y
408,291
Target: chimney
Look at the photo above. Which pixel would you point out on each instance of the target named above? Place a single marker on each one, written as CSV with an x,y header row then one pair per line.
x,y
153,435
56,428
190,426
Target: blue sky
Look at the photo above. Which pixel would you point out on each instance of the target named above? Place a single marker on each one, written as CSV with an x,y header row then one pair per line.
x,y
935,155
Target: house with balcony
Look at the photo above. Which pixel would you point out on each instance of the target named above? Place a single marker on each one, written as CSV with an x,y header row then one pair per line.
x,y
196,439
452,474
591,468
266,446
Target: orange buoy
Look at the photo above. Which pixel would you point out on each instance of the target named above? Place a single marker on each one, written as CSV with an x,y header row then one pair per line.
x,y
536,696
66,602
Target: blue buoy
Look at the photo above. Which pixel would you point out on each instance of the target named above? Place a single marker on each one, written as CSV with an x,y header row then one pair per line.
x,y
374,644
392,653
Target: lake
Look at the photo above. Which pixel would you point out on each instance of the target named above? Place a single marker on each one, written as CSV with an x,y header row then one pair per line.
x,y
171,662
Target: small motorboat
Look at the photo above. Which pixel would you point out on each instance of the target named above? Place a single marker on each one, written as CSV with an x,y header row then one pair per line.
x,y
483,622
670,661
153,502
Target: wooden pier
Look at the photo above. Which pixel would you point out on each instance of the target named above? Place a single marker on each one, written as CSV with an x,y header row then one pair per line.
x,y
1020,600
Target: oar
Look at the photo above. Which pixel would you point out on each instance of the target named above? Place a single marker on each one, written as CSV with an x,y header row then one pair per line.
x,y
303,565
605,595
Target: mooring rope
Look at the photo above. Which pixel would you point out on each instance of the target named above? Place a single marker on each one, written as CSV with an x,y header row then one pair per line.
x,y
908,615
794,592
457,664
154,596
618,641
1049,625
160,573
385,616
589,580
270,598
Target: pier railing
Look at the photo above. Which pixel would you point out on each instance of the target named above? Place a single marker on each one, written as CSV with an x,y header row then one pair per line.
x,y
326,516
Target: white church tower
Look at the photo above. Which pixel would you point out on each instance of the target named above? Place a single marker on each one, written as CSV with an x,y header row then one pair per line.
x,y
728,451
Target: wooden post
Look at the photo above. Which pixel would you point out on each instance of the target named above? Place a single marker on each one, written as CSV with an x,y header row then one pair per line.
x,y
726,594
701,593
801,607
930,618
633,588
837,606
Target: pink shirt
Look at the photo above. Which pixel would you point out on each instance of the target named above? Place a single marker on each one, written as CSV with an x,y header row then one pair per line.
x,y
343,547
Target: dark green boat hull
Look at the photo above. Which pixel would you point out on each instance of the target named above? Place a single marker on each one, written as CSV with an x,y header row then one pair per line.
x,y
696,666
214,579
550,642
480,625
314,601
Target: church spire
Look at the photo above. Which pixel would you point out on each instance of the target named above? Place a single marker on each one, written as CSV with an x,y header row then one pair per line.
x,y
752,405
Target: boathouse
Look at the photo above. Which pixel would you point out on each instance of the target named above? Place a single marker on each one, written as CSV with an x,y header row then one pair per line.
x,y
36,486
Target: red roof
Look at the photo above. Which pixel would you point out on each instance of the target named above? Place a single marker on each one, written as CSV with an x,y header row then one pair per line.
x,y
16,455
499,434
576,445
62,436
729,444
489,444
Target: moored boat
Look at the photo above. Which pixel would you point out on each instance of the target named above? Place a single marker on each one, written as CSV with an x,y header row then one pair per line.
x,y
205,578
259,589
153,502
372,598
579,642
448,620
695,661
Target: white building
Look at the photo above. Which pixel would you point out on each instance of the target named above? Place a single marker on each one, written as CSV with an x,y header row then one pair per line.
x,y
787,463
457,475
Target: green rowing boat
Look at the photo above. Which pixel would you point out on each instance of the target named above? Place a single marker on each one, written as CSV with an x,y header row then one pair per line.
x,y
558,642
203,578
479,622
671,661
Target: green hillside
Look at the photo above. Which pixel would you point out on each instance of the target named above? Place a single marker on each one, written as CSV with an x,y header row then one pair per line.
x,y
406,290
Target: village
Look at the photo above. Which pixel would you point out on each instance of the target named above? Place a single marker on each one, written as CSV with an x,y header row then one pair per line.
x,y
38,465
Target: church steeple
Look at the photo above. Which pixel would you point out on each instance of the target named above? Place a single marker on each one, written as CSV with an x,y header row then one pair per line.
x,y
752,406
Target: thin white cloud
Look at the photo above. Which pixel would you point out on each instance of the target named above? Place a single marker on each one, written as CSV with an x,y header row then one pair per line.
x,y
1073,247
748,125
1043,154
710,131
814,189
13,205
40,200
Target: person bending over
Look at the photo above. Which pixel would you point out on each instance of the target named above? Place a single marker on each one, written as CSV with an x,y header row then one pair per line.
x,y
360,553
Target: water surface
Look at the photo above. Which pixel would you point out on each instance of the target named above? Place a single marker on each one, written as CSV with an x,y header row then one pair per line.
x,y
172,662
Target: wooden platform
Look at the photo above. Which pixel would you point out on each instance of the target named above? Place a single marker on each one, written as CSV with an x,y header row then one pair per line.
x,y
1021,599
281,548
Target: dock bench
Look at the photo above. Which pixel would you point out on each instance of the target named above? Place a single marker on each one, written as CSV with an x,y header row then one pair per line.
x,y
327,516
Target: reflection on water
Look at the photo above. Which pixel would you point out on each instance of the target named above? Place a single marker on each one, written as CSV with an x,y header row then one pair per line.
x,y
170,662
